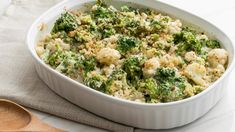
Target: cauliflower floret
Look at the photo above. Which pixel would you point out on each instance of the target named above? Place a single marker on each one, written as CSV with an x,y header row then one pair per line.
x,y
151,52
157,17
172,50
62,44
86,19
218,71
108,56
52,45
144,16
95,7
129,14
174,27
170,61
150,67
190,56
40,50
129,94
161,43
189,90
214,73
108,69
196,72
112,39
112,8
217,56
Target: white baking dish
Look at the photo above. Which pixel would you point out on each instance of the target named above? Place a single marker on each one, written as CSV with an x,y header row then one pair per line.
x,y
149,116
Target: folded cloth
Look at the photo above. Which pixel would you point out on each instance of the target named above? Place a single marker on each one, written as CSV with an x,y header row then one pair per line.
x,y
18,79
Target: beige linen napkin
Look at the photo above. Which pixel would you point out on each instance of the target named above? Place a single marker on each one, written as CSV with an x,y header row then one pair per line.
x,y
18,79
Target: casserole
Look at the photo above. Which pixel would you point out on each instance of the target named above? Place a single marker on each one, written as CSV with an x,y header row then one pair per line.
x,y
149,116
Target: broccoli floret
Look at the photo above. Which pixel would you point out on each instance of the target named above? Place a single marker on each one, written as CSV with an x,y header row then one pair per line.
x,y
212,44
108,32
64,36
186,41
71,62
96,82
170,87
67,22
189,29
119,76
102,10
79,37
89,64
132,24
56,57
134,27
157,26
82,37
132,66
66,62
155,37
129,26
149,88
126,44
169,74
165,72
165,86
93,28
105,85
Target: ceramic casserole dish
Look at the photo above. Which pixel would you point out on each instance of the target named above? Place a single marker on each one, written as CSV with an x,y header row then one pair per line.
x,y
140,115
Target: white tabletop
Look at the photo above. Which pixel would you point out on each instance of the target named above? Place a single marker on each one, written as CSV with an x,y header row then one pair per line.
x,y
221,118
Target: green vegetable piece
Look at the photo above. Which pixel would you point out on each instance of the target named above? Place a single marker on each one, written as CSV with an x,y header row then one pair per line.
x,y
89,64
170,86
157,26
132,24
150,88
132,66
64,36
71,62
67,22
117,75
212,44
79,37
108,32
82,37
186,41
155,36
126,44
102,11
165,72
96,82
55,58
